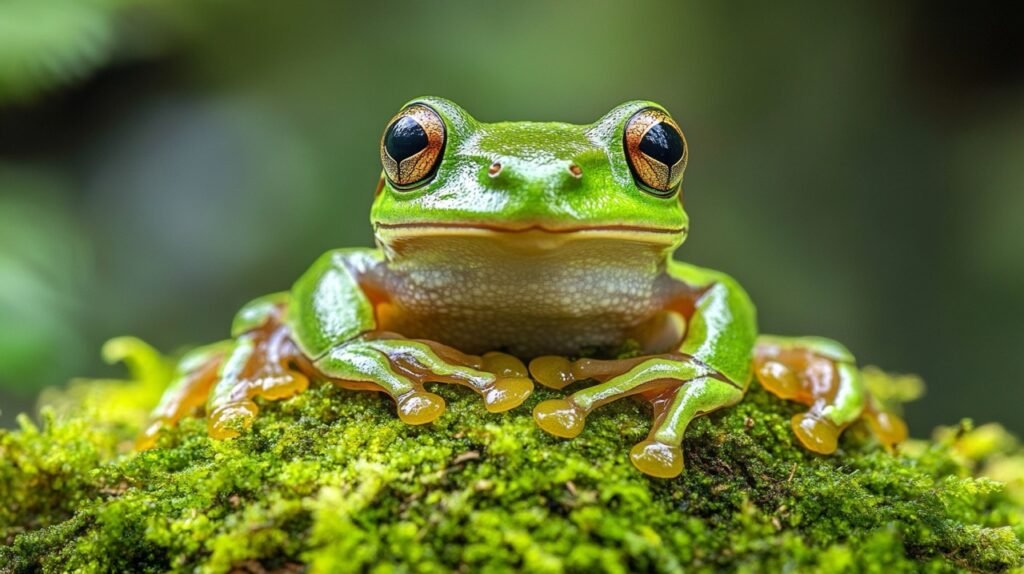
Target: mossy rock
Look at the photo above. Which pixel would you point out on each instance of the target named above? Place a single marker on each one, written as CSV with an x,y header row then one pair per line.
x,y
331,481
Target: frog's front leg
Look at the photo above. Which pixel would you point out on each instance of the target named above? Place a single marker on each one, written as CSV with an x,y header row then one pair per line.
x,y
264,362
329,330
708,370
326,328
678,388
823,375
400,367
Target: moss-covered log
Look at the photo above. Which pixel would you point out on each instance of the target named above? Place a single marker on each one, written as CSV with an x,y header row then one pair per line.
x,y
333,482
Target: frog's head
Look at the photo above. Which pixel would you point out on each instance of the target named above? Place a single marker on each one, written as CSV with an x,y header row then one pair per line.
x,y
537,185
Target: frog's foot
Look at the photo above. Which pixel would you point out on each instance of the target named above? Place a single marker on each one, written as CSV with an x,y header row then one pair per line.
x,y
822,374
400,367
262,364
678,389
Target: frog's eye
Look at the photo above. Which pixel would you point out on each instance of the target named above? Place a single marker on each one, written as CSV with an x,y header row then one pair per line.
x,y
412,146
656,150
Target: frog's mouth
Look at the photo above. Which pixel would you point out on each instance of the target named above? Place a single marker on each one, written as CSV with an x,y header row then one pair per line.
x,y
530,234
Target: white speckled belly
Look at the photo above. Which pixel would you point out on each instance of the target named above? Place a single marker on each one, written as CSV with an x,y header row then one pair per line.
x,y
523,296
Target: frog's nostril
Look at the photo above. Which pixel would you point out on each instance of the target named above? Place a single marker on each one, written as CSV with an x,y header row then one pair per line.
x,y
494,170
575,170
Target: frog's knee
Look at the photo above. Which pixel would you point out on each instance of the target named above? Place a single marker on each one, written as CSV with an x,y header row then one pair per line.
x,y
258,312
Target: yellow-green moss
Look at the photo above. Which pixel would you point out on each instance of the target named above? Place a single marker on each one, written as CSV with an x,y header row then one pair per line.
x,y
331,480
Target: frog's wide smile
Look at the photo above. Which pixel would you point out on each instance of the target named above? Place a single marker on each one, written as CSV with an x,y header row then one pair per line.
x,y
428,229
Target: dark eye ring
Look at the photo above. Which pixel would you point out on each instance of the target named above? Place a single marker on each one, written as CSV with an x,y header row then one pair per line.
x,y
656,151
412,146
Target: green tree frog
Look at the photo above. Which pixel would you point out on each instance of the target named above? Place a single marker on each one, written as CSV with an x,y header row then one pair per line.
x,y
499,243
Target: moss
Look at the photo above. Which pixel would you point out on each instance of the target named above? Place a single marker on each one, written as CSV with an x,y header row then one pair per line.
x,y
331,480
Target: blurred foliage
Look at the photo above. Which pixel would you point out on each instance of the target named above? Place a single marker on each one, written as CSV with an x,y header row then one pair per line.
x,y
45,44
45,267
856,166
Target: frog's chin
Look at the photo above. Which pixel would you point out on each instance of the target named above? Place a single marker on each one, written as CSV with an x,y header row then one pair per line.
x,y
525,236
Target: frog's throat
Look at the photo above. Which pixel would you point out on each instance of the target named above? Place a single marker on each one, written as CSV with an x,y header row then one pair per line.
x,y
539,236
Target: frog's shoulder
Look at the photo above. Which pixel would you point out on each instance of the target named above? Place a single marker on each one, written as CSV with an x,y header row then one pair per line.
x,y
328,304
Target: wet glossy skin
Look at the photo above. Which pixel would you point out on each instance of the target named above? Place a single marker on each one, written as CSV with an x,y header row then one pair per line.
x,y
508,241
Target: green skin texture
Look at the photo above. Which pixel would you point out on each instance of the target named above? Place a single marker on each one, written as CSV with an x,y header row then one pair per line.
x,y
328,313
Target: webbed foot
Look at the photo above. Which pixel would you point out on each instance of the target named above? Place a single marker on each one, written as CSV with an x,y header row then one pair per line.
x,y
822,374
265,363
262,364
677,388
400,367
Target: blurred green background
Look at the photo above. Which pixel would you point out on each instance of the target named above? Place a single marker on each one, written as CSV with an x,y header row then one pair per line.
x,y
859,167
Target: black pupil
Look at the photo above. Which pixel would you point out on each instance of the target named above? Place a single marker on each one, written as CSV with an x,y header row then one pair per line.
x,y
663,143
405,138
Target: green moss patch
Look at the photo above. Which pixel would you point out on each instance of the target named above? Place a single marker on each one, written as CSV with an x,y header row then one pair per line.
x,y
331,481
